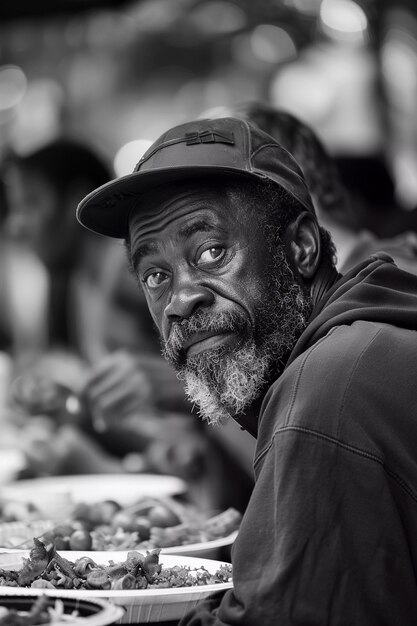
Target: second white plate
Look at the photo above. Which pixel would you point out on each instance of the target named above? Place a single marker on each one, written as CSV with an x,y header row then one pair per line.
x,y
141,606
55,495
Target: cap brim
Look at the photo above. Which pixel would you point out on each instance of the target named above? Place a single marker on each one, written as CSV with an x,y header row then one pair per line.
x,y
106,209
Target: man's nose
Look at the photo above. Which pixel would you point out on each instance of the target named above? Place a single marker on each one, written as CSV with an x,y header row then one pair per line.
x,y
186,298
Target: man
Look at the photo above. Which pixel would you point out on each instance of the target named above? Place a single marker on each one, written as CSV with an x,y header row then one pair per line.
x,y
41,189
240,281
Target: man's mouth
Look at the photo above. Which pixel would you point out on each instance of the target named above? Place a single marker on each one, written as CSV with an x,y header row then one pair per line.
x,y
199,342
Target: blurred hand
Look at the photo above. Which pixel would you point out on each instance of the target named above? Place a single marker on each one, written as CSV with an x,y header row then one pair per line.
x,y
181,448
122,385
116,388
183,458
53,451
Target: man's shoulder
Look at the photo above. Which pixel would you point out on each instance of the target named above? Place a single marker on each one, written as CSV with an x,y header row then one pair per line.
x,y
326,359
344,365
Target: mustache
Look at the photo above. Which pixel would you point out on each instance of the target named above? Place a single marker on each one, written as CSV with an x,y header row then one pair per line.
x,y
202,321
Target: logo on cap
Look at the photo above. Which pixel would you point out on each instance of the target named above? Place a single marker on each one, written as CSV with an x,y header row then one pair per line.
x,y
208,136
190,139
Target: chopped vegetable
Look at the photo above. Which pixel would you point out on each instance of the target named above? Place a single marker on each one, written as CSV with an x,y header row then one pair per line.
x,y
139,571
35,565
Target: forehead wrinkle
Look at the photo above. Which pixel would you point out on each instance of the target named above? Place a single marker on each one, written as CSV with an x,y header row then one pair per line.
x,y
146,225
155,210
152,224
199,225
147,248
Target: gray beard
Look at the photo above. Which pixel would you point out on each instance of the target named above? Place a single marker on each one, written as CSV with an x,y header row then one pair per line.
x,y
223,383
222,386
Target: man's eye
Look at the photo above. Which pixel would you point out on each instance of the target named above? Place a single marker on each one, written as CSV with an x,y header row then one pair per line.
x,y
152,281
211,254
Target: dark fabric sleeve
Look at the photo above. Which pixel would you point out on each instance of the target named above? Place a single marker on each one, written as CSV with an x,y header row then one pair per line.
x,y
322,542
205,612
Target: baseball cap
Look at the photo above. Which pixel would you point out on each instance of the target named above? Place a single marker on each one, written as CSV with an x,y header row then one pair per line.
x,y
216,148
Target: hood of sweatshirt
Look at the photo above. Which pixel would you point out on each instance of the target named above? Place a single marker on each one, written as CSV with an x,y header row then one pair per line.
x,y
375,290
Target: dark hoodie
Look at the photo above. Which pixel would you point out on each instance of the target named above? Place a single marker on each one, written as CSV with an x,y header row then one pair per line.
x,y
329,537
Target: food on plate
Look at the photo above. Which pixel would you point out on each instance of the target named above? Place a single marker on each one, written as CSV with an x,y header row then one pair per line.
x,y
151,523
220,525
40,613
14,511
46,568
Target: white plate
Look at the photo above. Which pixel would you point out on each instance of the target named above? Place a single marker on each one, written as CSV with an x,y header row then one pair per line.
x,y
93,612
13,534
141,606
55,495
202,549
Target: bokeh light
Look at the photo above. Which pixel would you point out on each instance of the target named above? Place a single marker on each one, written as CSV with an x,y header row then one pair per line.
x,y
399,60
217,17
128,156
155,15
405,169
308,7
303,90
399,68
38,117
272,44
12,86
343,19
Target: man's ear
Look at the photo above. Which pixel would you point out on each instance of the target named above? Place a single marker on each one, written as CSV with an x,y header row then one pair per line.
x,y
304,245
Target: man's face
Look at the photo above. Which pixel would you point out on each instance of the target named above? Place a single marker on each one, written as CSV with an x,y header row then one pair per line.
x,y
227,308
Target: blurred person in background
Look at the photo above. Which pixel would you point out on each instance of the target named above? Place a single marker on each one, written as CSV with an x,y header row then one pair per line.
x,y
381,222
240,279
337,197
372,193
42,188
5,332
52,275
23,285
